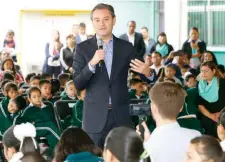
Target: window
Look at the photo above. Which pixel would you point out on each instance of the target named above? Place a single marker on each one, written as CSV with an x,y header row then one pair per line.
x,y
209,17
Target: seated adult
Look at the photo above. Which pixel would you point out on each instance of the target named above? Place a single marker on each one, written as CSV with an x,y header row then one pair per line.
x,y
75,145
123,145
162,46
211,97
204,149
195,47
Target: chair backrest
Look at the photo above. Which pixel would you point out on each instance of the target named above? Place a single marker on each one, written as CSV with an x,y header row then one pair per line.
x,y
1,98
63,109
138,101
56,98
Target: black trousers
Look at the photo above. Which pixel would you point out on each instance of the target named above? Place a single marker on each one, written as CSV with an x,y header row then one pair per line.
x,y
99,138
54,70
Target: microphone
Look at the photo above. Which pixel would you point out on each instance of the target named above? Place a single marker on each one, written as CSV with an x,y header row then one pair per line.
x,y
100,47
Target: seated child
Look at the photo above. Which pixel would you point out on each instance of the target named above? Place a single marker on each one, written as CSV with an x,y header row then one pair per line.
x,y
9,66
42,117
63,79
71,92
190,81
45,87
9,117
187,118
10,91
136,89
34,81
169,73
55,90
3,83
27,79
78,110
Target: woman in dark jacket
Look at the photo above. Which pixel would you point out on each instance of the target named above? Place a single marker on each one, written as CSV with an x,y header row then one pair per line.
x,y
162,46
194,47
52,63
211,97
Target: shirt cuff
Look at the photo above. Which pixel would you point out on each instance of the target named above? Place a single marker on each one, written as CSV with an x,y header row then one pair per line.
x,y
92,69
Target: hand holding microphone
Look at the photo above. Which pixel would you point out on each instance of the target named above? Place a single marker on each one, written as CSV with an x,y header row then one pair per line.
x,y
99,54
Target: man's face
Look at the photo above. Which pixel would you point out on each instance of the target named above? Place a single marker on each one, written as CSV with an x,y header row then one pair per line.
x,y
103,22
75,29
82,30
131,27
144,33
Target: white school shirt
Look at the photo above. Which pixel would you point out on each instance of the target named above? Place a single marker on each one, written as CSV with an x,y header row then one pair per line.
x,y
169,143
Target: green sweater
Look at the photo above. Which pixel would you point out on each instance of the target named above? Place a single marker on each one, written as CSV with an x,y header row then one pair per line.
x,y
132,94
66,97
77,114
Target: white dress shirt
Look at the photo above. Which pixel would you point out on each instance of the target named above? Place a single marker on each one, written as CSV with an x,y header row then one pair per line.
x,y
131,38
222,144
169,143
83,37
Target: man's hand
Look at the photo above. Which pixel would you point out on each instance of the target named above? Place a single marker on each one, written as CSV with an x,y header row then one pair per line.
x,y
99,55
146,131
140,67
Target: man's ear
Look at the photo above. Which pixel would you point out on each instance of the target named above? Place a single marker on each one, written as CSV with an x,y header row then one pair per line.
x,y
114,20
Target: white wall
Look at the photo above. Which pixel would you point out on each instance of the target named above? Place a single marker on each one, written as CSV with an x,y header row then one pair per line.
x,y
176,22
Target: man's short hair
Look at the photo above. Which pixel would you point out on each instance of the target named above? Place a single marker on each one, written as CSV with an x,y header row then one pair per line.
x,y
103,6
144,27
28,77
168,98
132,21
82,25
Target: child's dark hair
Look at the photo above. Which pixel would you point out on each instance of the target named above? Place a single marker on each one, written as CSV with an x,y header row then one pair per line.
x,y
189,77
42,82
135,81
73,140
20,102
125,144
9,140
4,82
186,66
28,77
10,86
170,66
55,86
63,78
33,89
35,77
45,76
13,65
221,68
33,157
8,76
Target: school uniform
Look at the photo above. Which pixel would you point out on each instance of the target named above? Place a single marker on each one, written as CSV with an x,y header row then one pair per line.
x,y
77,114
5,103
83,157
7,120
187,118
66,97
44,121
52,100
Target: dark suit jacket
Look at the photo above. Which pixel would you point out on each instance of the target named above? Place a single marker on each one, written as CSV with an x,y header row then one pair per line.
x,y
139,44
187,47
99,86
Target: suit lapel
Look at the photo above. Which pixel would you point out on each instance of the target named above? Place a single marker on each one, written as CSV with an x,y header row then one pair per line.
x,y
116,54
126,37
135,38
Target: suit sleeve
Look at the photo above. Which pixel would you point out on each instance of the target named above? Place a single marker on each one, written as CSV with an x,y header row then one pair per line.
x,y
81,71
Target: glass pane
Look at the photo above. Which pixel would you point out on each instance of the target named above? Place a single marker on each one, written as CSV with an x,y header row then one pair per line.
x,y
218,23
199,20
197,3
217,2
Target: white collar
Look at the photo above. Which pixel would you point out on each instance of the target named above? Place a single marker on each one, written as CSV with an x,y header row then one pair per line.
x,y
130,35
42,105
169,126
189,40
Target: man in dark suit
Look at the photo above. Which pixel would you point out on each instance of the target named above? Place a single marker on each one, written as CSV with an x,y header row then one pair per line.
x,y
106,103
135,38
